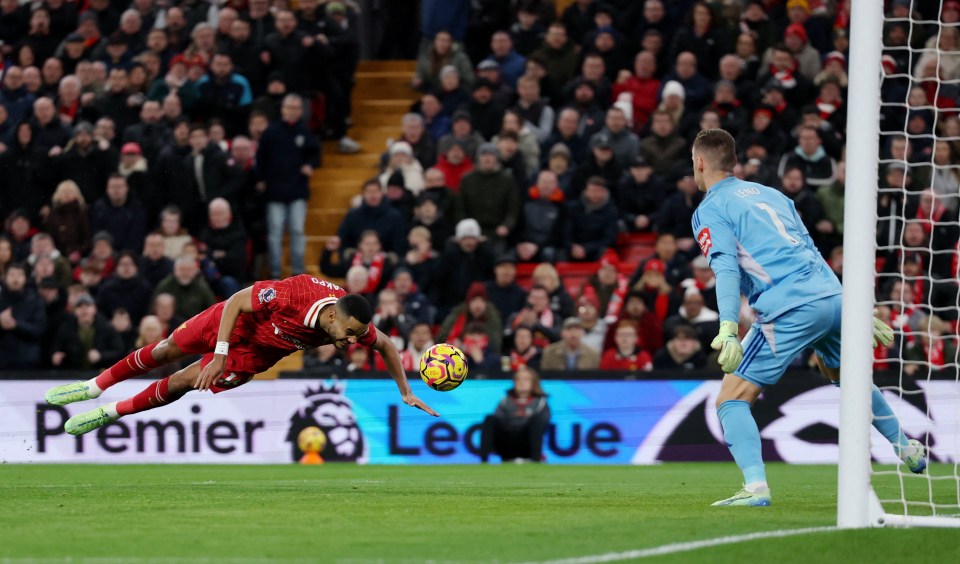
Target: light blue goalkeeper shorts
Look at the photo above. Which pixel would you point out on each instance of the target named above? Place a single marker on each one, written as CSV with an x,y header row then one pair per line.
x,y
770,347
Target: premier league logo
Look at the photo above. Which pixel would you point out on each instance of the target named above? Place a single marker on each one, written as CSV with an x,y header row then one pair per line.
x,y
328,408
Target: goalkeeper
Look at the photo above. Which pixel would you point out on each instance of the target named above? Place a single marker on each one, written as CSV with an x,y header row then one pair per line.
x,y
757,245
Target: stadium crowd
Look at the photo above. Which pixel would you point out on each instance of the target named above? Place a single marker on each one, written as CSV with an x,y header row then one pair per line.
x,y
150,154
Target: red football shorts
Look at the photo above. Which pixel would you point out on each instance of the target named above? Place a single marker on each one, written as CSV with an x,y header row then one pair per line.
x,y
198,335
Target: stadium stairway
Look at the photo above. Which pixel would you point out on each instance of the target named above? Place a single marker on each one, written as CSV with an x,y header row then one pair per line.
x,y
381,97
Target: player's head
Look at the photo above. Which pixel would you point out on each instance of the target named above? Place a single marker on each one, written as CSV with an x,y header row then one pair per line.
x,y
350,320
714,151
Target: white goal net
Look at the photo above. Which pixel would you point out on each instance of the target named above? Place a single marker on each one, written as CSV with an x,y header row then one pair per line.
x,y
915,273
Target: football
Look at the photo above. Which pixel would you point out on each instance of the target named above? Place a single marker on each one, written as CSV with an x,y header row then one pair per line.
x,y
311,439
443,367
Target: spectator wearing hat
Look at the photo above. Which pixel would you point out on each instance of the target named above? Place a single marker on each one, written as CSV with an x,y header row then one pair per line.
x,y
656,291
454,164
402,162
815,25
588,106
465,259
86,340
809,156
400,197
126,289
608,285
559,55
623,141
372,213
764,132
639,195
682,352
443,51
486,114
490,196
593,72
601,162
780,69
504,95
540,237
672,100
22,321
511,63
695,313
504,292
642,86
625,354
663,147
475,309
594,326
120,214
461,131
287,155
116,53
86,162
188,287
591,225
570,353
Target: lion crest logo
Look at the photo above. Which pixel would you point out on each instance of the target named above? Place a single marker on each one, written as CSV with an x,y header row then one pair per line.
x,y
328,408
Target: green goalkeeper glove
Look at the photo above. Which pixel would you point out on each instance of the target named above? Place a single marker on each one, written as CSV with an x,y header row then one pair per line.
x,y
882,333
731,352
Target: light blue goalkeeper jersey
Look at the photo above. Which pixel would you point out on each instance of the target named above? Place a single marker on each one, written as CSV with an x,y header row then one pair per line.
x,y
757,244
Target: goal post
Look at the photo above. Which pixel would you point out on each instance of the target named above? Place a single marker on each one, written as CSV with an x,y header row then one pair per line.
x,y
858,503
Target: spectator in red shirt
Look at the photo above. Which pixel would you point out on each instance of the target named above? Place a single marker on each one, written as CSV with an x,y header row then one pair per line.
x,y
642,86
625,354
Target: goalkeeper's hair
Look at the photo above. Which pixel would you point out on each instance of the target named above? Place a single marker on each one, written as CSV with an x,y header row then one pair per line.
x,y
717,147
355,306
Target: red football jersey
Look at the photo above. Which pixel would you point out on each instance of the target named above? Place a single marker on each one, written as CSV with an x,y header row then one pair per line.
x,y
285,314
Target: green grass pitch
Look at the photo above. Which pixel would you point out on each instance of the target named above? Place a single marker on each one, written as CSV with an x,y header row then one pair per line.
x,y
509,513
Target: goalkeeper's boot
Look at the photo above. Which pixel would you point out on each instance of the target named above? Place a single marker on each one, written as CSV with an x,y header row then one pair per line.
x,y
759,498
70,393
89,421
915,456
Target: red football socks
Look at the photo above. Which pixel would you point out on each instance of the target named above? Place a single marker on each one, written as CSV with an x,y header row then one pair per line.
x,y
136,363
155,395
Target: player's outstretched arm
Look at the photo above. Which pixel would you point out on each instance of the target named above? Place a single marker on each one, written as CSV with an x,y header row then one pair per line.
x,y
236,304
391,358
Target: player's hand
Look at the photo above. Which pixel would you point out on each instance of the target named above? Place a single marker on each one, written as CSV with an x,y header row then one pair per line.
x,y
416,402
731,352
882,333
211,373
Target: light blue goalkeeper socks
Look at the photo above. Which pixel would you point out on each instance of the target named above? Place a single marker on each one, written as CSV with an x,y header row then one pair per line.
x,y
742,436
887,423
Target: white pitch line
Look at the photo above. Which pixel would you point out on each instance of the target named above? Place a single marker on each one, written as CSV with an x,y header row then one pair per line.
x,y
687,546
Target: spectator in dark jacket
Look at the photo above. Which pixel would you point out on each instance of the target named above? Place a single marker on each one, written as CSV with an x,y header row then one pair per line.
x,y
683,351
505,294
600,162
85,162
591,225
22,321
86,340
50,133
540,237
639,195
224,242
819,168
489,195
292,52
120,215
515,430
465,260
14,95
154,265
373,213
675,213
286,157
225,95
126,289
207,175
698,89
150,133
664,147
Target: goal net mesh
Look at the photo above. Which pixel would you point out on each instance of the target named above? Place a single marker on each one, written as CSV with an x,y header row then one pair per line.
x,y
917,252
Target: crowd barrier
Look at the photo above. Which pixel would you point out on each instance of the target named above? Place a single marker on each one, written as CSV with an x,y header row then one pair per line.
x,y
593,422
